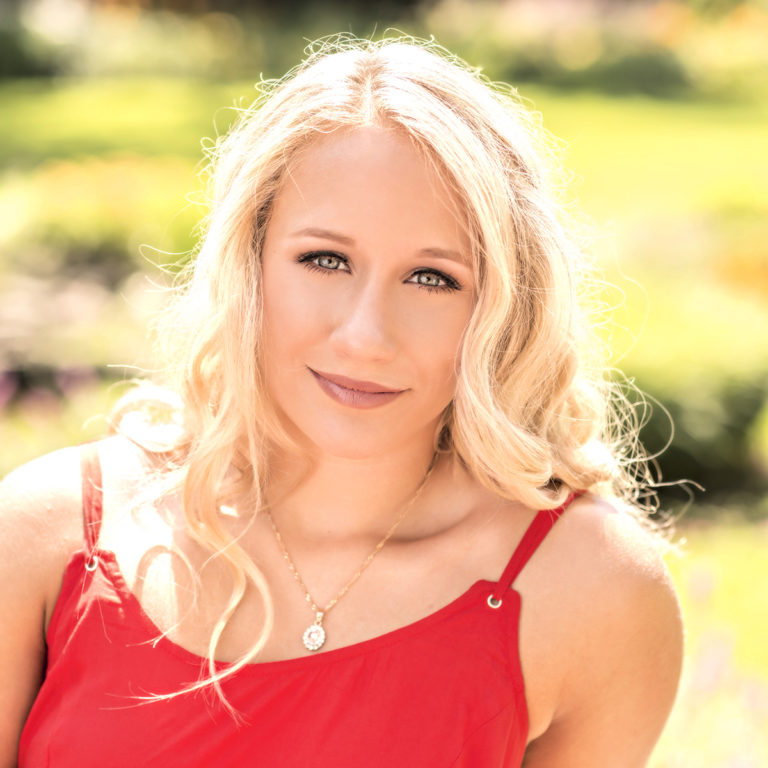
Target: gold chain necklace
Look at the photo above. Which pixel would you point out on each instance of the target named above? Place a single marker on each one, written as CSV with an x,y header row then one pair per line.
x,y
314,635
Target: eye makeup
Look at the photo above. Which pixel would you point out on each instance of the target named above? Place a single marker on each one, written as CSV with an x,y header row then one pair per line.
x,y
326,262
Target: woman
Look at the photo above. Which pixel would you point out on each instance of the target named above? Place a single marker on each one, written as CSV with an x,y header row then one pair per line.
x,y
389,520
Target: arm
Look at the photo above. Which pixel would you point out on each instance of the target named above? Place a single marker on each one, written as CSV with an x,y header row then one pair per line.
x,y
620,678
39,527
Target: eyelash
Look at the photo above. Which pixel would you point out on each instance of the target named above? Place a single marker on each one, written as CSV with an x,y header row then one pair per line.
x,y
308,260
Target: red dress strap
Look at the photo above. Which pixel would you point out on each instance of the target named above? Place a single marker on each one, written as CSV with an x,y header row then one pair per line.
x,y
538,529
92,496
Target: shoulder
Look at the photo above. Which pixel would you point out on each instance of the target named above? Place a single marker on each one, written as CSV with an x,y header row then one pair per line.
x,y
598,551
612,608
611,571
39,525
39,505
40,511
618,577
604,546
41,521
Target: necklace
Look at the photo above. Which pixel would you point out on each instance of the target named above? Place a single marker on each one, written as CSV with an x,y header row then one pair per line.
x,y
314,635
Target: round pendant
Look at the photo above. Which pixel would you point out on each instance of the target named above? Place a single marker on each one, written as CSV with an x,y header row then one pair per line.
x,y
314,637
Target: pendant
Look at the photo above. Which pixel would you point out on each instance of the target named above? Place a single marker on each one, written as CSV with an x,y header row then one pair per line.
x,y
314,634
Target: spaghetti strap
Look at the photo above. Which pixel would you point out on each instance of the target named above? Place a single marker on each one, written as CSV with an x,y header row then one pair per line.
x,y
542,524
92,498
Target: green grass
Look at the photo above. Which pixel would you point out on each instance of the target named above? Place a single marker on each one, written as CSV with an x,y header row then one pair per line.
x,y
633,158
719,718
147,116
667,156
645,157
722,576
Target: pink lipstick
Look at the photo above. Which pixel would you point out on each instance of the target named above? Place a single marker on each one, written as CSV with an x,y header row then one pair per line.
x,y
353,393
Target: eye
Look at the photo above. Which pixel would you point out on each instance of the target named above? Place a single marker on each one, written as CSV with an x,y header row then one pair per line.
x,y
324,261
434,281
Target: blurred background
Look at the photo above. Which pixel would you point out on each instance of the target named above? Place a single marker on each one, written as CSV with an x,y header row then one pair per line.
x,y
661,114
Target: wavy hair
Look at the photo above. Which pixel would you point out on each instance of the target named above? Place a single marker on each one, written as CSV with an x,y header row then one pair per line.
x,y
534,413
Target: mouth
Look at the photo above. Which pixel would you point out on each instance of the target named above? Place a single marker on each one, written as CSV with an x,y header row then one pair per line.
x,y
354,385
352,393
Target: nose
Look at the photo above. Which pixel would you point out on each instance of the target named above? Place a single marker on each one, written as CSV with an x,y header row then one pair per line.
x,y
365,326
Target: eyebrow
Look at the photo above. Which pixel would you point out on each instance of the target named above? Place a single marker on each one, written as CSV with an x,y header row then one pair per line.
x,y
327,234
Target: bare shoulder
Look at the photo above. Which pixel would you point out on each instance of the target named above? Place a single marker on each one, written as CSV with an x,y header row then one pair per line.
x,y
624,597
39,525
608,549
613,609
40,512
598,553
612,571
41,521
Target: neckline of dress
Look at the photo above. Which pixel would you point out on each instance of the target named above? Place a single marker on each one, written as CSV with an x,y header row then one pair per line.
x,y
109,565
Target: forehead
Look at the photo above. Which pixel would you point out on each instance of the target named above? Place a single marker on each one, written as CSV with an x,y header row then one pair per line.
x,y
370,181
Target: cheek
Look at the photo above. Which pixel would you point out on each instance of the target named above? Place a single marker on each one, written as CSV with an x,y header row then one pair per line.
x,y
439,348
289,312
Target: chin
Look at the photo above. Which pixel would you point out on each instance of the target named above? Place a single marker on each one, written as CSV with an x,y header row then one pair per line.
x,y
352,447
362,443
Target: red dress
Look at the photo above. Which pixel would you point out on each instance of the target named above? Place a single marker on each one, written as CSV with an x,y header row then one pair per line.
x,y
446,690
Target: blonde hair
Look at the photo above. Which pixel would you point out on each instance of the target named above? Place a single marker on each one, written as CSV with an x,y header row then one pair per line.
x,y
533,414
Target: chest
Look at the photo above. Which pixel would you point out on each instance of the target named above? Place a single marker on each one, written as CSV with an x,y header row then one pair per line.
x,y
406,584
444,691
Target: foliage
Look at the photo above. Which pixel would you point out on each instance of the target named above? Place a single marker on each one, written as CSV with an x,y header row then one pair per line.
x,y
679,210
19,57
39,420
68,217
664,47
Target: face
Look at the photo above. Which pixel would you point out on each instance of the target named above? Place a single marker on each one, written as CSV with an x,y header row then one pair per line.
x,y
367,289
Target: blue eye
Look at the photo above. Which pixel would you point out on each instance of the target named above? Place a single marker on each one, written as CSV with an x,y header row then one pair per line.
x,y
328,261
434,281
324,261
431,280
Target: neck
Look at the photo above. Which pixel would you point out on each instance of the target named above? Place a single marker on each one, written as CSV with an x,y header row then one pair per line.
x,y
333,498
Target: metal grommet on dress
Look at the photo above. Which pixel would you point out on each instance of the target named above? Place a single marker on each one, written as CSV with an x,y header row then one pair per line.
x,y
92,564
494,602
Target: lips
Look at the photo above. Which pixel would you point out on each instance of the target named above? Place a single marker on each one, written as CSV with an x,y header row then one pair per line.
x,y
353,393
355,385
